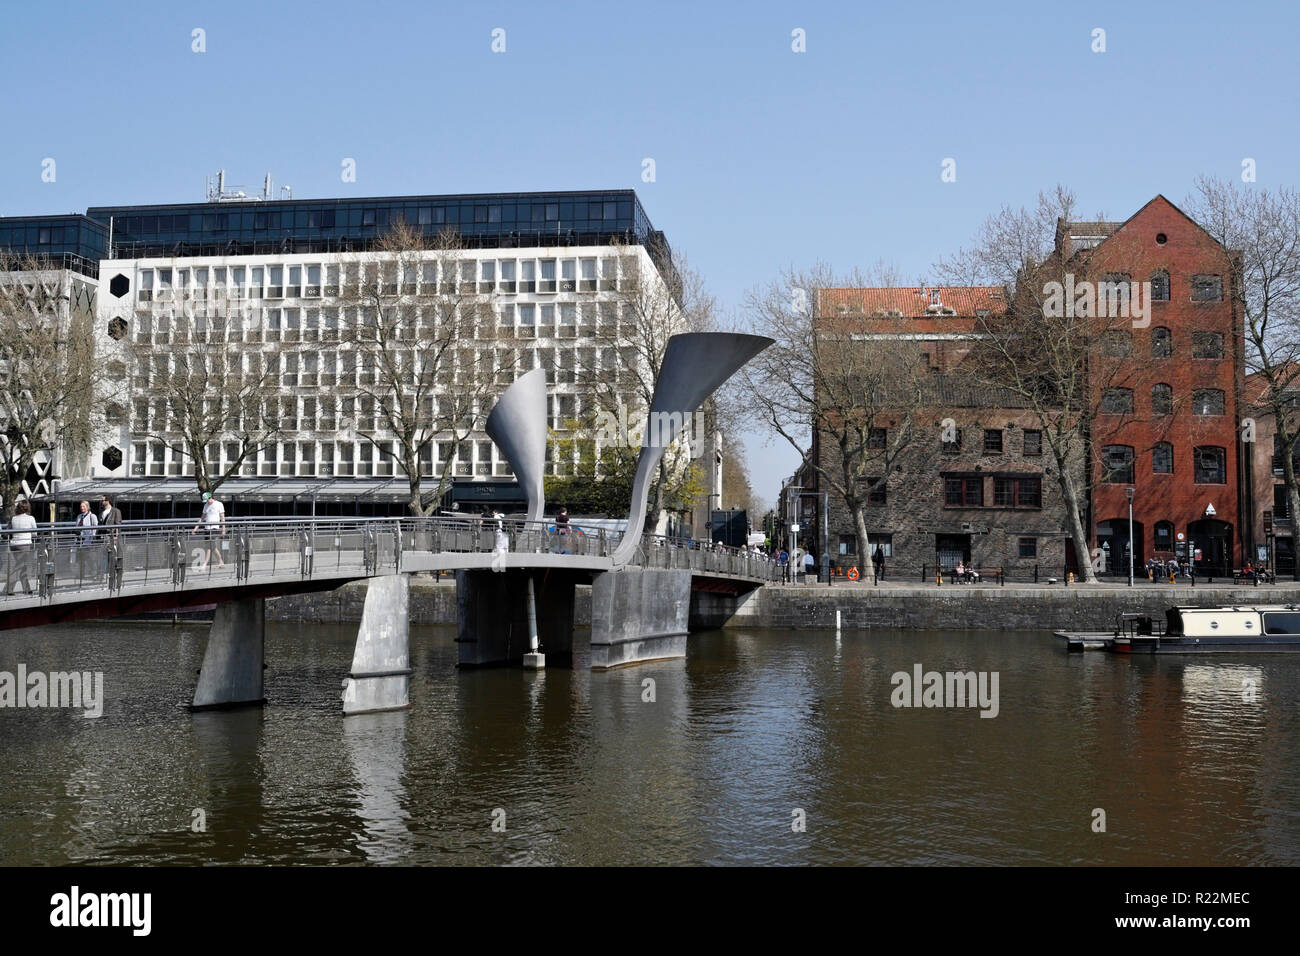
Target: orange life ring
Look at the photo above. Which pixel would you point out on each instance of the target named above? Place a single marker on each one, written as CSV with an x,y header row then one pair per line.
x,y
853,574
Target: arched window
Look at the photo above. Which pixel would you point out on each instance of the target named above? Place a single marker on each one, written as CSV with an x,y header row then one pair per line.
x,y
1162,459
1164,536
1117,401
1207,401
1117,464
1162,399
1160,286
1162,343
1211,466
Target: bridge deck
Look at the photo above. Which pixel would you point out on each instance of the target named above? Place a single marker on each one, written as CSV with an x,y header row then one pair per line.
x,y
163,564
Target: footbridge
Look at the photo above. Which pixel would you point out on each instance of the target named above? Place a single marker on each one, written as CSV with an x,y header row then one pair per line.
x,y
515,579
640,609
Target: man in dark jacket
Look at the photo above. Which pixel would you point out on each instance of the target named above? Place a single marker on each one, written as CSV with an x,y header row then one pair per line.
x,y
878,562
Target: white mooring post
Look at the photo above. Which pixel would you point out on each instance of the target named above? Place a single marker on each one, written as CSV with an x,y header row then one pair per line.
x,y
533,660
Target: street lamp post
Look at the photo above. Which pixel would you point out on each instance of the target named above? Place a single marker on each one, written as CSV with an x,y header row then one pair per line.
x,y
1128,493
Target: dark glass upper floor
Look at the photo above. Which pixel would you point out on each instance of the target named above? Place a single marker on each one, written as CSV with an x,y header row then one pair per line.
x,y
72,241
253,227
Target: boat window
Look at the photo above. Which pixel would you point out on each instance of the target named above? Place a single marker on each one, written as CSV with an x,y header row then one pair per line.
x,y
1282,622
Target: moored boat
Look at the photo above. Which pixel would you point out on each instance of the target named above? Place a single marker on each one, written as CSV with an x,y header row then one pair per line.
x,y
1260,629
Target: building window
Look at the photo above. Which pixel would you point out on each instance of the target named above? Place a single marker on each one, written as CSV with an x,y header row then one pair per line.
x,y
1117,401
951,446
1160,286
963,491
1162,399
1281,503
1207,289
1164,539
885,541
876,437
1027,548
1207,401
1162,343
1207,345
848,544
1162,459
1017,492
1033,442
1211,466
1117,464
992,441
1117,343
876,494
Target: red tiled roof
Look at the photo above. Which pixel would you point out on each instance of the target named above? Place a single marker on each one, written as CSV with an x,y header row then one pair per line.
x,y
911,301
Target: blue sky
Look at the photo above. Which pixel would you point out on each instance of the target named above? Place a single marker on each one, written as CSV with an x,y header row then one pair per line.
x,y
764,157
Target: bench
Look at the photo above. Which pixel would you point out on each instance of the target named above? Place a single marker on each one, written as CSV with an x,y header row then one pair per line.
x,y
1264,576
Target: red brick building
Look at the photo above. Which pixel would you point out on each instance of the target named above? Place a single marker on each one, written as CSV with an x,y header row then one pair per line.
x,y
1174,439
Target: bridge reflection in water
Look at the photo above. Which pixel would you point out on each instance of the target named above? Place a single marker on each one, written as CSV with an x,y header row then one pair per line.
x,y
641,609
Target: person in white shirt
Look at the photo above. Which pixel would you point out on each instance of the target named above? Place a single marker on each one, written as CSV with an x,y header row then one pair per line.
x,y
213,523
22,548
86,523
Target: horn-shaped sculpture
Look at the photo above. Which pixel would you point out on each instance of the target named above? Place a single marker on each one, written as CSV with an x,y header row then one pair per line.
x,y
694,365
518,426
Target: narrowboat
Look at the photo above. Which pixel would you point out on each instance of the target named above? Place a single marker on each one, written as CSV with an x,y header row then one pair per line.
x,y
1260,629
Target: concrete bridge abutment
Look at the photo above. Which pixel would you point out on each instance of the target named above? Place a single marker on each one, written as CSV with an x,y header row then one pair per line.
x,y
639,614
233,661
492,616
381,662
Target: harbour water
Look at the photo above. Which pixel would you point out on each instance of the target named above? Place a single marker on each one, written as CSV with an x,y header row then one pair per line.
x,y
762,747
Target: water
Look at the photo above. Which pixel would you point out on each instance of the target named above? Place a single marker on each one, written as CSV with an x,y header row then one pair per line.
x,y
752,726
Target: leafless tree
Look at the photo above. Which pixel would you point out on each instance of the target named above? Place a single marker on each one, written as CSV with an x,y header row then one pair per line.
x,y
854,383
623,352
1262,231
422,338
1069,367
48,375
207,380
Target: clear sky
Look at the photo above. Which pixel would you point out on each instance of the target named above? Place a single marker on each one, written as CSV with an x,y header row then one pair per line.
x,y
764,157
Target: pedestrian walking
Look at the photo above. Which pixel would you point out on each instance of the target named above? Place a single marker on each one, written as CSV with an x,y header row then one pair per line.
x,y
562,528
878,563
213,524
783,559
22,549
86,535
809,563
110,522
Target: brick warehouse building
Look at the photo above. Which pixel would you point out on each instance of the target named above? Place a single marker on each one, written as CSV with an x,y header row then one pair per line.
x,y
1172,436
1178,447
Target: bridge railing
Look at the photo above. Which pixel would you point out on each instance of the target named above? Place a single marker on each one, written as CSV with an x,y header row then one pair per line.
x,y
63,557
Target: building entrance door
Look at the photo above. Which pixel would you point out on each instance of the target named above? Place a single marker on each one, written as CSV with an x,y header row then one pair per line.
x,y
1213,539
952,549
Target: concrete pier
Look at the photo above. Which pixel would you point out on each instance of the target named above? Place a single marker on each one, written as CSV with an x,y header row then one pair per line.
x,y
231,675
492,616
381,671
639,615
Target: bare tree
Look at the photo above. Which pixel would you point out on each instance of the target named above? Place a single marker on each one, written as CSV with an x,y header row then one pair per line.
x,y
623,351
207,381
1262,231
854,384
48,374
1068,366
422,338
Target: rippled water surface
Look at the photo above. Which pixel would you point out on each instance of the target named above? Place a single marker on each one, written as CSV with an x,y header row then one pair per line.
x,y
751,727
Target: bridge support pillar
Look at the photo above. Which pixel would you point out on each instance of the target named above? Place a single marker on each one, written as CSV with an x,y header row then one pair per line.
x,y
639,614
231,675
492,616
381,671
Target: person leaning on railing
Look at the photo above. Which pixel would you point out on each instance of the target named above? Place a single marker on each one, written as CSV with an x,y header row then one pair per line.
x,y
22,548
